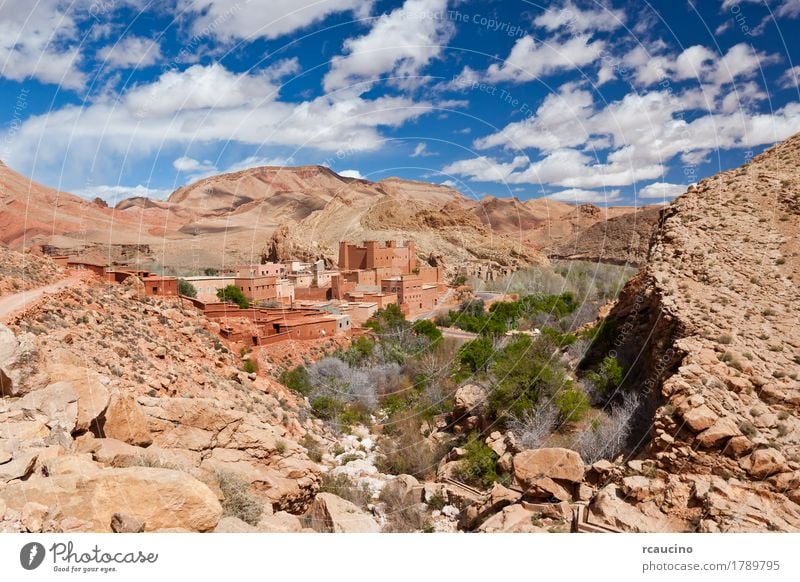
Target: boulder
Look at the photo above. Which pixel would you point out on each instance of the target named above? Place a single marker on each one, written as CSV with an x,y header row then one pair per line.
x,y
467,399
160,498
33,516
723,428
230,524
404,489
20,368
764,462
700,418
641,488
58,402
20,467
512,519
124,420
93,399
280,522
330,513
546,473
124,523
608,509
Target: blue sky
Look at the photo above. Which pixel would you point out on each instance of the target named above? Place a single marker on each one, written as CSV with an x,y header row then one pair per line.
x,y
611,102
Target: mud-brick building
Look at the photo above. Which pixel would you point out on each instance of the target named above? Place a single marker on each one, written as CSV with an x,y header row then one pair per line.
x,y
156,286
399,258
413,294
257,289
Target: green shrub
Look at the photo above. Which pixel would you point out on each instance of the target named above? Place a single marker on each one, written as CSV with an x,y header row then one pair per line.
x,y
478,467
344,487
608,378
186,288
524,373
326,407
296,380
250,366
572,404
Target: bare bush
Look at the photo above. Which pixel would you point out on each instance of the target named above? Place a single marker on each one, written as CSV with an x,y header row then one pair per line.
x,y
334,378
604,439
534,426
238,501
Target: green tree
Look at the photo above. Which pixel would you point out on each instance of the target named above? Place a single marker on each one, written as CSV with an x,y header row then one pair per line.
x,y
523,374
186,288
426,328
211,272
476,354
232,294
390,318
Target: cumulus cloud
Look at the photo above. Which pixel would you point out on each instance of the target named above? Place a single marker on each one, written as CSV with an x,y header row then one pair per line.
x,y
790,78
351,174
203,104
484,169
131,52
530,59
40,40
579,196
571,17
663,190
399,44
228,20
187,164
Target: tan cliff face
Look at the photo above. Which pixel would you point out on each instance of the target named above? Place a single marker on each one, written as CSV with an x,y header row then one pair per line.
x,y
711,331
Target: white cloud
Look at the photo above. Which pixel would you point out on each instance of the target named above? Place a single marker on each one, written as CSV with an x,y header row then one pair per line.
x,y
788,9
421,150
257,162
187,164
131,52
114,194
39,40
790,78
201,105
400,44
579,196
696,62
228,20
663,190
351,174
571,17
530,59
484,169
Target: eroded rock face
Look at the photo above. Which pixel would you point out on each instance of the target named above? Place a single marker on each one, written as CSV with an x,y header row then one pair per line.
x,y
124,420
547,473
711,330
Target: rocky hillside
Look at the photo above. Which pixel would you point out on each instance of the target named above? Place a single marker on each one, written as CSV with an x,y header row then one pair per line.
x,y
621,240
711,331
19,271
109,394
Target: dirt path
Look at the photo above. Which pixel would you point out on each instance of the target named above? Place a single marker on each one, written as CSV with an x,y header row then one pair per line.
x,y
10,304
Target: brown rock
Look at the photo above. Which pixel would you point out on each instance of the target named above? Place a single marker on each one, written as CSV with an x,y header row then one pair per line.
x,y
608,509
58,402
511,519
329,513
93,399
764,462
467,399
124,420
232,524
159,497
124,523
700,418
33,516
280,522
739,446
722,429
555,463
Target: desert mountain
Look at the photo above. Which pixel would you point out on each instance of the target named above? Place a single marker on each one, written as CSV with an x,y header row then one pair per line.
x,y
710,330
238,217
